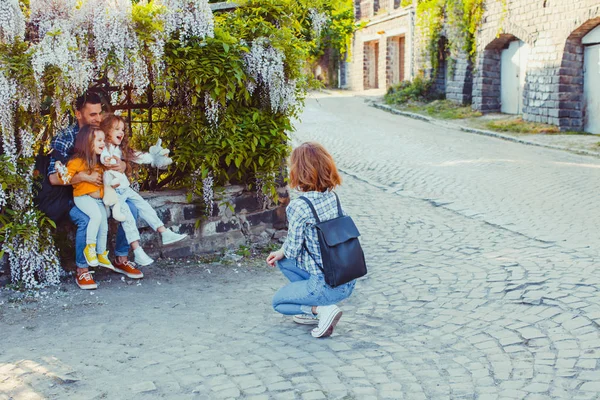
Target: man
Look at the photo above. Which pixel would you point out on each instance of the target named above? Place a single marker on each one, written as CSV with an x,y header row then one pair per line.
x,y
88,111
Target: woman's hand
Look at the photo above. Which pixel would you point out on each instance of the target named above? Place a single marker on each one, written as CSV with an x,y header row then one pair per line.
x,y
274,257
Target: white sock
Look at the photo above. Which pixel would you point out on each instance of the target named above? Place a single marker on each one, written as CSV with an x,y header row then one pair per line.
x,y
139,250
307,310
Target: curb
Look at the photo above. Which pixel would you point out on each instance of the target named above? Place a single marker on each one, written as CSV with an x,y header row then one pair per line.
x,y
483,132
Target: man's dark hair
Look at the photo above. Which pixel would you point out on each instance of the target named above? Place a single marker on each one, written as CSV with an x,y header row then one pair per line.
x,y
87,98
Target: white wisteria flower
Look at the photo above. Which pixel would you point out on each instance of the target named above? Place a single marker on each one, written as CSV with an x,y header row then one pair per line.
x,y
319,20
212,109
189,17
12,21
208,193
265,64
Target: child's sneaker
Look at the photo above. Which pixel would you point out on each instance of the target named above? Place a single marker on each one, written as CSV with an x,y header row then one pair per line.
x,y
85,281
140,257
89,252
170,237
305,319
128,268
103,260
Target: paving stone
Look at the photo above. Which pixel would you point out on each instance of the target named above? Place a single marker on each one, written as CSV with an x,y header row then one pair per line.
x,y
143,387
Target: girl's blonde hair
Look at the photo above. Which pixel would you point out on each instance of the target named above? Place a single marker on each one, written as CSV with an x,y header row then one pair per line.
x,y
312,168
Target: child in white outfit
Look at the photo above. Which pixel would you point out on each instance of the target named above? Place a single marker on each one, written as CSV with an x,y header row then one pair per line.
x,y
117,148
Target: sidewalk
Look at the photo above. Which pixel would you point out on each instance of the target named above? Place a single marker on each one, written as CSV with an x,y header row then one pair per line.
x,y
580,144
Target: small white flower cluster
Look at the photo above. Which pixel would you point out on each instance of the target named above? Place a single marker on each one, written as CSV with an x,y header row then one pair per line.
x,y
63,172
7,92
319,21
208,193
265,64
33,262
262,198
189,17
2,197
212,108
22,199
12,21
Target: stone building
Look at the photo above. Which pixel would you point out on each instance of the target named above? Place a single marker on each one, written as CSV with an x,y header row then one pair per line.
x,y
539,58
382,52
536,58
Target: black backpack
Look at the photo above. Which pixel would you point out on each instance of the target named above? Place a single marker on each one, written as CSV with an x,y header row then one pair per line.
x,y
53,200
342,255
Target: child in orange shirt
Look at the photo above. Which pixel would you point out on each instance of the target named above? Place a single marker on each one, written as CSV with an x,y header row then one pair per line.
x,y
89,144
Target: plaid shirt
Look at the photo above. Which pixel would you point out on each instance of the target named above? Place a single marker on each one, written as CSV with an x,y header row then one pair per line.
x,y
301,228
63,144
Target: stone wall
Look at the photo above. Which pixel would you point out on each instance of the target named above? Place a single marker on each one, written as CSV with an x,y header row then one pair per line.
x,y
247,221
239,218
385,25
459,80
395,60
553,30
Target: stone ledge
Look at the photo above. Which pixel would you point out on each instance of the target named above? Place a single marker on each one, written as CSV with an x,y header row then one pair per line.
x,y
250,223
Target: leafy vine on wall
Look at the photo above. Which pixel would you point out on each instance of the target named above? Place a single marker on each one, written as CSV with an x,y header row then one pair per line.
x,y
457,20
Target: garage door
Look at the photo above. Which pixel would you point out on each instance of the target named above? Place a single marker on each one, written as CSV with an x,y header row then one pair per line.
x,y
591,80
512,77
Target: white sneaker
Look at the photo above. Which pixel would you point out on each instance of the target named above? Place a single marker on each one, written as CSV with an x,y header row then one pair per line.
x,y
328,318
170,237
305,319
141,258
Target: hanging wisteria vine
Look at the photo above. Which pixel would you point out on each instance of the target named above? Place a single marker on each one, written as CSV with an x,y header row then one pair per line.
x,y
319,21
265,64
12,21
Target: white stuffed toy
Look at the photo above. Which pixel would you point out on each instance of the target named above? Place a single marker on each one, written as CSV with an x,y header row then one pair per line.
x,y
157,157
111,180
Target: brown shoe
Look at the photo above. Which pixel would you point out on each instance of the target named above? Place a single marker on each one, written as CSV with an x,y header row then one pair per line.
x,y
85,281
128,268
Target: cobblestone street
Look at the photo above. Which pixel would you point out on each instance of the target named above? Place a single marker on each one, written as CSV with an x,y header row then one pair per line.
x,y
483,284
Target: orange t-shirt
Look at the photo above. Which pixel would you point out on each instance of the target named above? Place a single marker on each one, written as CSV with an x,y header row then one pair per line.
x,y
82,188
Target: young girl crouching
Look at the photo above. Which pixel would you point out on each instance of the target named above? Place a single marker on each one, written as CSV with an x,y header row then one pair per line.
x,y
307,297
118,147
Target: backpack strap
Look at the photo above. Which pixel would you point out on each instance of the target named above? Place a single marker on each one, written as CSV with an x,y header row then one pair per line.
x,y
339,205
312,208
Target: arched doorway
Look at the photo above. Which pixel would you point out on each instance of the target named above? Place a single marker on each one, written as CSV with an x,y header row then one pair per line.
x,y
500,82
579,80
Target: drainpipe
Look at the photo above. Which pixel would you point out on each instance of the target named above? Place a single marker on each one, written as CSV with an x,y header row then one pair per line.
x,y
412,39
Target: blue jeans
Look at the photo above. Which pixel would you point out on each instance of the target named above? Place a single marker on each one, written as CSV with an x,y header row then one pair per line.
x,y
81,220
306,290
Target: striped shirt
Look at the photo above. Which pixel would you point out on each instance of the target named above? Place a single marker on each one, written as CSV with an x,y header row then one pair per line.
x,y
301,229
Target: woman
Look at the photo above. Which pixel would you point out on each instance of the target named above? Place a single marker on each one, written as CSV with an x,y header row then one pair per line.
x,y
307,297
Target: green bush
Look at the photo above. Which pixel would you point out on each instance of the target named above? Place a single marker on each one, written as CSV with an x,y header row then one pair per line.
x,y
419,89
